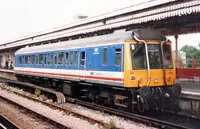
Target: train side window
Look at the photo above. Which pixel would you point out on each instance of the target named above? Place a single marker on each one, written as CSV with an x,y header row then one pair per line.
x,y
29,59
45,59
40,59
26,59
60,57
23,59
55,58
32,59
50,58
36,59
67,57
117,56
75,57
82,58
71,58
20,60
105,56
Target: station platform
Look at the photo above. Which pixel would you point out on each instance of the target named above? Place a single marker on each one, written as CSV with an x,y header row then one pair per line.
x,y
188,85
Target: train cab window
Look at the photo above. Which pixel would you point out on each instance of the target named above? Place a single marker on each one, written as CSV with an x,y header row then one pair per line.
x,y
61,58
55,58
105,56
67,58
40,58
82,58
75,57
26,59
45,59
32,59
117,56
71,58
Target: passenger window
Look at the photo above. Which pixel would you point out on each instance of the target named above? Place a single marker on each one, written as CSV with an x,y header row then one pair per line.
x,y
67,57
23,59
50,58
36,59
26,59
20,60
55,58
45,59
75,57
105,56
29,59
61,58
40,59
82,58
71,58
117,56
32,59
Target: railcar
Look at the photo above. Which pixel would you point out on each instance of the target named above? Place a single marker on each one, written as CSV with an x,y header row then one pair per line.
x,y
125,69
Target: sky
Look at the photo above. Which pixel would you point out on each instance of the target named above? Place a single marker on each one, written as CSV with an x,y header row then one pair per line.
x,y
21,18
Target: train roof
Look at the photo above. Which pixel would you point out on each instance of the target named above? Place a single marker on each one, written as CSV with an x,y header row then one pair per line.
x,y
114,38
117,37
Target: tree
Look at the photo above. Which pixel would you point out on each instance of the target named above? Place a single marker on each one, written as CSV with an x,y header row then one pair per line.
x,y
191,51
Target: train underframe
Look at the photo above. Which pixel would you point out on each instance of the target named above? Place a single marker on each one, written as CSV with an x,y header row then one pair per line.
x,y
127,99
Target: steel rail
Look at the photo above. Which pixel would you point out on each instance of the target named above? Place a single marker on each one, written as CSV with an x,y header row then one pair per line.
x,y
6,123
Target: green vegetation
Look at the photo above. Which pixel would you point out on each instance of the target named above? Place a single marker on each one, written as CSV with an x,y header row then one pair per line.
x,y
192,51
111,125
37,92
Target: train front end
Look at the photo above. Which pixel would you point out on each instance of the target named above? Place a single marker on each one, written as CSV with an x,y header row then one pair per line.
x,y
149,69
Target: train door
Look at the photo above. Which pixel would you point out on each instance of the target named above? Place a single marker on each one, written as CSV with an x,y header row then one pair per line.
x,y
82,64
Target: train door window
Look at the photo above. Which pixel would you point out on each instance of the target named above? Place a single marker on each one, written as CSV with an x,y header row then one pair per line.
x,y
117,56
75,57
32,59
82,58
67,58
105,56
26,59
60,58
71,58
40,58
45,59
55,58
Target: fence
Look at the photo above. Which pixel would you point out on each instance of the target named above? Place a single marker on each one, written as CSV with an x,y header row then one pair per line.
x,y
189,68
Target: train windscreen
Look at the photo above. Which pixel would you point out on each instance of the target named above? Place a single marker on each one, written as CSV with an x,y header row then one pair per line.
x,y
167,56
138,56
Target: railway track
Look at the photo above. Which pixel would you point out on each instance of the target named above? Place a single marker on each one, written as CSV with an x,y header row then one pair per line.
x,y
136,117
5,123
49,120
57,107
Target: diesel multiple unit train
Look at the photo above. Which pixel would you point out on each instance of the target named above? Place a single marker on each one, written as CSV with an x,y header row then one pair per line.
x,y
126,69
